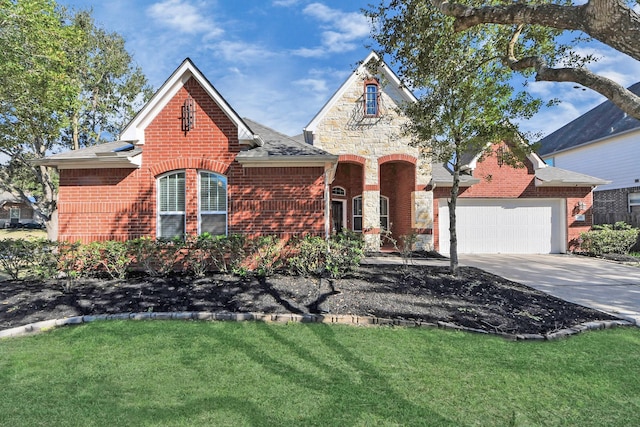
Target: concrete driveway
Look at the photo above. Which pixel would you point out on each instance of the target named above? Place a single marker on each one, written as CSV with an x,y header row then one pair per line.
x,y
604,285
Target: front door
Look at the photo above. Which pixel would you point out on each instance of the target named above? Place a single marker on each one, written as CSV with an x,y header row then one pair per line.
x,y
337,214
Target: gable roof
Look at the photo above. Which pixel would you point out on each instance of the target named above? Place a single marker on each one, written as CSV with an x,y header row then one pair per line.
x,y
602,122
279,148
383,68
134,131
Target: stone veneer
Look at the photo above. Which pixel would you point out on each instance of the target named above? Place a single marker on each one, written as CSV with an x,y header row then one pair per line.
x,y
345,130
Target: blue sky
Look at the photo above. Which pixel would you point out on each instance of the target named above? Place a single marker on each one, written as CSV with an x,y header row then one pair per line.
x,y
278,61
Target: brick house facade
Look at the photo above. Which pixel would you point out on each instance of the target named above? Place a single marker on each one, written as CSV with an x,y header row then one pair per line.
x,y
187,164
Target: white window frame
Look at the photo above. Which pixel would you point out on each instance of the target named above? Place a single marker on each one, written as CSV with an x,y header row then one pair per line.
x,y
161,213
338,191
384,202
355,215
633,199
224,212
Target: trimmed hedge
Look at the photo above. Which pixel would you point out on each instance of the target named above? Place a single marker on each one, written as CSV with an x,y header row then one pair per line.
x,y
196,256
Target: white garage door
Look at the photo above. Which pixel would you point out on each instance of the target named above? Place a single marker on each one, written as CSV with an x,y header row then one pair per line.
x,y
511,226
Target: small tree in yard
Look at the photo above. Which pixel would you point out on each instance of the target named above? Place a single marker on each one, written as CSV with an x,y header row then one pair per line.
x,y
465,101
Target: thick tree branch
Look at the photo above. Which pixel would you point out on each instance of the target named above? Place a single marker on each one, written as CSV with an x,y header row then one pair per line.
x,y
624,99
610,21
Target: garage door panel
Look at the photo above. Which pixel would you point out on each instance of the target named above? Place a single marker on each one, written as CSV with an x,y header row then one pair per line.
x,y
505,226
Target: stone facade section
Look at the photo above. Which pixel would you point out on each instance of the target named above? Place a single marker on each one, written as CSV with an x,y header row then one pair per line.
x,y
392,167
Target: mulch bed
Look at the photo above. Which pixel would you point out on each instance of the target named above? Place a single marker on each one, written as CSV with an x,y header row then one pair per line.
x,y
475,299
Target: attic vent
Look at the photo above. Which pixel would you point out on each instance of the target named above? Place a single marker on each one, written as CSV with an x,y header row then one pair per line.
x,y
188,114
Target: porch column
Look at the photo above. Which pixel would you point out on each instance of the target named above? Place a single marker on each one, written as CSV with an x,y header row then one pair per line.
x,y
422,218
371,219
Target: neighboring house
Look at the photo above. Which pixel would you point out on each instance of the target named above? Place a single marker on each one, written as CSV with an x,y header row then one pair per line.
x,y
604,142
14,212
187,164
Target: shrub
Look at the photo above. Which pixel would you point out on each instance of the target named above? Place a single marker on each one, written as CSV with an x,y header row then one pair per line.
x,y
109,256
336,257
15,257
45,258
346,250
618,238
201,253
309,256
156,257
266,253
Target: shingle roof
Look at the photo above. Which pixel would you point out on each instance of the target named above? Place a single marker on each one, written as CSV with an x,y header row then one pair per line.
x,y
112,153
603,121
555,177
280,146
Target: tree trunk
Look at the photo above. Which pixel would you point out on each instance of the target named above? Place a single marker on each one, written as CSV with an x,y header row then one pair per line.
x,y
74,131
453,235
52,226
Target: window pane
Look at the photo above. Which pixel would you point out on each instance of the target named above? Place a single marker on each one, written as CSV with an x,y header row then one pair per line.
x,y
634,198
384,223
372,100
172,193
213,192
357,205
384,206
171,226
215,224
357,223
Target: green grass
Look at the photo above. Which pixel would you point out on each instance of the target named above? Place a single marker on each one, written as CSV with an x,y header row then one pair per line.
x,y
165,373
22,233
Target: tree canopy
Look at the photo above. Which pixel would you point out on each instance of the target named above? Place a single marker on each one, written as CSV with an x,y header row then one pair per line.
x,y
64,83
465,99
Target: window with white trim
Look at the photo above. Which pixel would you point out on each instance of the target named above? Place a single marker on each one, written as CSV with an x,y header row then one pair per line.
x,y
357,213
634,200
338,191
213,204
171,206
384,213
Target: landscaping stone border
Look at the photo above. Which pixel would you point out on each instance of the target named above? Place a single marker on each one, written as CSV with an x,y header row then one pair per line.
x,y
343,319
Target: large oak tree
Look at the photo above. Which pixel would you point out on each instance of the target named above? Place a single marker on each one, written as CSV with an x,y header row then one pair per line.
x,y
612,22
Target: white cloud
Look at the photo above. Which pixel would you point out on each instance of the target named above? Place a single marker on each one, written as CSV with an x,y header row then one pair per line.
x,y
183,17
313,85
285,3
343,31
241,52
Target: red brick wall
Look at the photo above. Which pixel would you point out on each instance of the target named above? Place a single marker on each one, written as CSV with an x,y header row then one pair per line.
x,y
349,176
397,182
509,182
120,204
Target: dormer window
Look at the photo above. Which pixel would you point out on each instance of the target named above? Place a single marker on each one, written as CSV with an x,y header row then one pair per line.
x,y
371,98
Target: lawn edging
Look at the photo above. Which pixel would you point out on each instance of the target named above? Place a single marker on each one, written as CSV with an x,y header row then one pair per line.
x,y
344,319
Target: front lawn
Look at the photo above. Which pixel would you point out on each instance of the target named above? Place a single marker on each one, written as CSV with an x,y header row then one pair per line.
x,y
22,233
232,374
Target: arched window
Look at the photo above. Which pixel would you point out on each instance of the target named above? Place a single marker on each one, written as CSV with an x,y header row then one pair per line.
x,y
338,191
357,213
384,213
371,93
213,204
171,211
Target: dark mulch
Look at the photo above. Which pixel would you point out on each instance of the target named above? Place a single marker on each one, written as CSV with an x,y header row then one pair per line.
x,y
475,299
